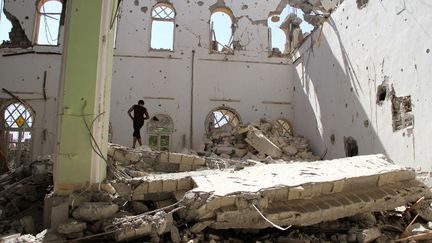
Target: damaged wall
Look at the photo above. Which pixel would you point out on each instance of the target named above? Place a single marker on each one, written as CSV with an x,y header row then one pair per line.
x,y
337,77
27,82
248,81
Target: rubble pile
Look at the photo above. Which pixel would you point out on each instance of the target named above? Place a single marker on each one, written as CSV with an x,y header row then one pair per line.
x,y
21,197
257,142
322,201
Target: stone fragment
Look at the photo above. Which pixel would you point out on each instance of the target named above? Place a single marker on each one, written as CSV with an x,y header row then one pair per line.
x,y
368,235
107,187
139,207
262,144
175,235
93,211
72,227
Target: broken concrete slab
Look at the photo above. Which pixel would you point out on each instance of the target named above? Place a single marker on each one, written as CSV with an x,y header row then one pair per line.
x,y
333,189
262,144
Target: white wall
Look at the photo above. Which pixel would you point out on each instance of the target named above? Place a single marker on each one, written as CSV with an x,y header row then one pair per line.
x,y
336,80
164,79
23,75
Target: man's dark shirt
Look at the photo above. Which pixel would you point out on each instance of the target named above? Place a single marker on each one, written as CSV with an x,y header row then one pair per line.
x,y
139,112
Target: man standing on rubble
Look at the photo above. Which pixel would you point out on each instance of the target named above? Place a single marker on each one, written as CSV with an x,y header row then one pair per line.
x,y
139,115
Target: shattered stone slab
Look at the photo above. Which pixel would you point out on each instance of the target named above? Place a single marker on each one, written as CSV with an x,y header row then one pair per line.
x,y
142,159
262,144
301,193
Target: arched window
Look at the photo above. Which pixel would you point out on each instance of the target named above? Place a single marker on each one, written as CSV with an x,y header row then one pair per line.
x,y
221,119
283,128
48,14
160,127
222,31
277,37
162,30
17,124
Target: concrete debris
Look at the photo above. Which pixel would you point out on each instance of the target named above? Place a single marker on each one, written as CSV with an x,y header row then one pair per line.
x,y
72,227
335,198
368,235
22,192
257,142
93,211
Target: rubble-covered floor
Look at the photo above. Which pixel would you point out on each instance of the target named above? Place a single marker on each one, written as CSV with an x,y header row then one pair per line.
x,y
163,207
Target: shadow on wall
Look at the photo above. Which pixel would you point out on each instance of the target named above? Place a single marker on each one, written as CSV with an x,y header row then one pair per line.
x,y
328,109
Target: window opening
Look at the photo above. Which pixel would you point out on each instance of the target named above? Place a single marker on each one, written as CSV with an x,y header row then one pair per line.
x,y
402,112
283,128
160,128
162,31
222,119
293,23
48,22
5,26
17,126
221,31
277,37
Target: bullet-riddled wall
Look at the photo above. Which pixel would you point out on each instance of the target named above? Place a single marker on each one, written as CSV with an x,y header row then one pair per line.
x,y
366,78
189,82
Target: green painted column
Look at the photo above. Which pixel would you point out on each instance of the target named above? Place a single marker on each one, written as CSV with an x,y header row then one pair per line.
x,y
84,94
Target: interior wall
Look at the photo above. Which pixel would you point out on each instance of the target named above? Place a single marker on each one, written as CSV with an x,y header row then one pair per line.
x,y
248,81
26,81
340,67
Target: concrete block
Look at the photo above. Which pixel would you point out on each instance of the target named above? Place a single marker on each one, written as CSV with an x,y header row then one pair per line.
x,y
295,192
185,184
199,161
155,186
123,189
164,157
227,201
262,144
187,159
140,190
169,185
185,167
175,158
281,194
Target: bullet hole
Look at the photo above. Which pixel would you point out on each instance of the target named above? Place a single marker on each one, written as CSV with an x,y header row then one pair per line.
x,y
366,123
351,89
351,147
136,2
38,77
130,11
401,69
332,139
200,3
247,66
367,68
244,6
415,66
177,25
381,94
427,51
26,17
132,76
160,71
346,105
294,88
144,9
362,3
